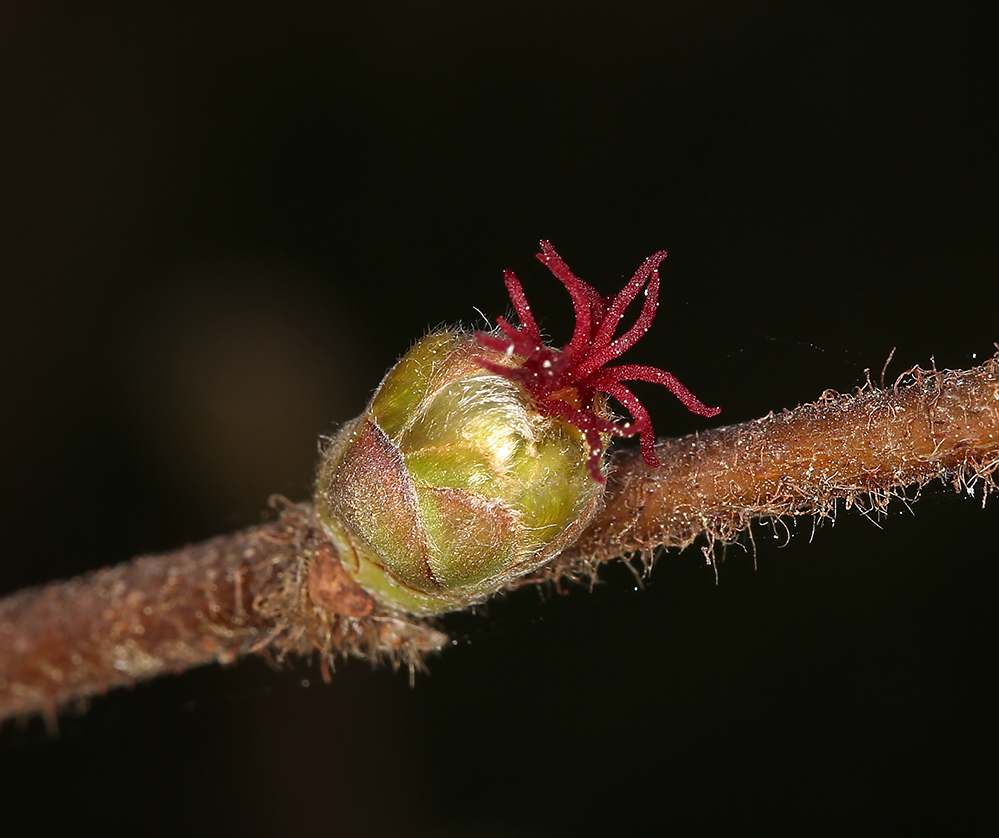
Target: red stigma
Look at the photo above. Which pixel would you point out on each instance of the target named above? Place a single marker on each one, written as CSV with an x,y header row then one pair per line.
x,y
553,376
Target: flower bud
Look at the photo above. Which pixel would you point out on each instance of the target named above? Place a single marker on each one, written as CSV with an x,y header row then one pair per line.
x,y
480,457
451,483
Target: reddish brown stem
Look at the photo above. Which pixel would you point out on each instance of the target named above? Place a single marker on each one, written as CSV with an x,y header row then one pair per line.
x,y
279,588
865,447
215,601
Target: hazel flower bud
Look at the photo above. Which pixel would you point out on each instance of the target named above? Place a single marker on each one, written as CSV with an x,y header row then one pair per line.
x,y
479,458
451,484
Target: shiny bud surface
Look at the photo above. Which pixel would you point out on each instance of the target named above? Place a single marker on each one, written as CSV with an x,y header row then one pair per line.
x,y
451,483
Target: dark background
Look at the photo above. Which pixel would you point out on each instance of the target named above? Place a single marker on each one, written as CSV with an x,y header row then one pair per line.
x,y
221,222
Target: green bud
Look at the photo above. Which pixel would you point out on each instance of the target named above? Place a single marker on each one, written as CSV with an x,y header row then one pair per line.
x,y
452,483
480,456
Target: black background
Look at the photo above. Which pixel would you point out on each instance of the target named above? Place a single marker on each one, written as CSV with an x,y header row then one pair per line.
x,y
221,222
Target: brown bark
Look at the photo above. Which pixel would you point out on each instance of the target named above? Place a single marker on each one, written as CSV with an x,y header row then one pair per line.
x,y
211,602
853,449
279,588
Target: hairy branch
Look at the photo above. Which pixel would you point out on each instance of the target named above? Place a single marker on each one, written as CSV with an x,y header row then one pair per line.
x,y
279,588
232,595
858,448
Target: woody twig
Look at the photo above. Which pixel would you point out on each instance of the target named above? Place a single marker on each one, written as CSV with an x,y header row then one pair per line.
x,y
279,589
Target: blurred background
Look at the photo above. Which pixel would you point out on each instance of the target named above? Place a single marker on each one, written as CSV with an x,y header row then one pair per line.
x,y
221,222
